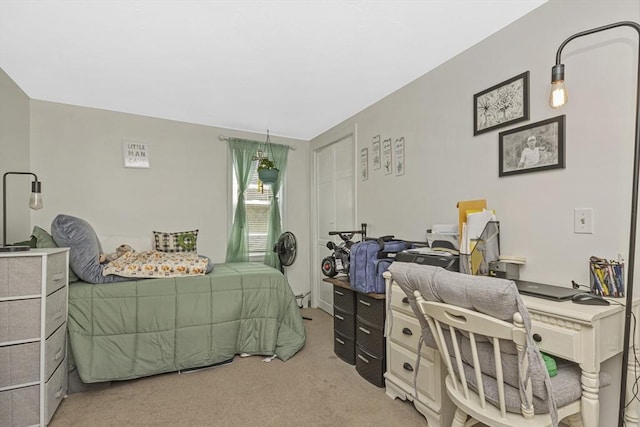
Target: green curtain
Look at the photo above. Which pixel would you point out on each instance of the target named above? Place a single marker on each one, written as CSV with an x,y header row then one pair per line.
x,y
242,151
280,155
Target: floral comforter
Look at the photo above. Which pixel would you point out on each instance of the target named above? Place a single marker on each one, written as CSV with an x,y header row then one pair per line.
x,y
156,264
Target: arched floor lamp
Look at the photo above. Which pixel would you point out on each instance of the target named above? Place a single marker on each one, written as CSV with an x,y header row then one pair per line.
x,y
35,202
557,98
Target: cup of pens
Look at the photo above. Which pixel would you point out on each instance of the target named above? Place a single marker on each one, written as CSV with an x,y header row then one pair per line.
x,y
606,277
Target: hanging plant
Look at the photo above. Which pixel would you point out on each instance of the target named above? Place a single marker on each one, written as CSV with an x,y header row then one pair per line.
x,y
267,171
266,164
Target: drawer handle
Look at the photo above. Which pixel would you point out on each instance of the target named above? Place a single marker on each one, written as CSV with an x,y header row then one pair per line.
x,y
338,293
337,316
407,367
364,330
537,337
58,393
364,359
59,314
58,276
368,304
340,341
405,300
58,354
407,331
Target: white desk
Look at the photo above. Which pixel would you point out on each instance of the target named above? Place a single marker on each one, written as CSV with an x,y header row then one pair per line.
x,y
587,335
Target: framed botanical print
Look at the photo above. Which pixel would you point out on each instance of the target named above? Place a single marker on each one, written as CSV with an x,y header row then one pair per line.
x,y
501,105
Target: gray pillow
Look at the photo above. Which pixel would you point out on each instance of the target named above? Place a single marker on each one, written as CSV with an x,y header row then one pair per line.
x,y
85,249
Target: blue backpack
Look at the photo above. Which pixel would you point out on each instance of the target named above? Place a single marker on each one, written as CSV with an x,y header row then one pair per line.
x,y
369,259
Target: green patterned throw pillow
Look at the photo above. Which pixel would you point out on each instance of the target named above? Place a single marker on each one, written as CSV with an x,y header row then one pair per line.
x,y
182,241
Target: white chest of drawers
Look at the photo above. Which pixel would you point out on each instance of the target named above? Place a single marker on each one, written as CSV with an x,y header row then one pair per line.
x,y
429,395
33,323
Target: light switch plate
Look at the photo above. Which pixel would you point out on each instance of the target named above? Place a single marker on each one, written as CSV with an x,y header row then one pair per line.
x,y
583,221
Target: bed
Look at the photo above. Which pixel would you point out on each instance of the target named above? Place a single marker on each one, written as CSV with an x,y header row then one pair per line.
x,y
138,328
122,328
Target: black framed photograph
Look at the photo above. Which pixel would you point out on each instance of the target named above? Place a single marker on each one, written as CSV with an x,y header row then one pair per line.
x,y
501,105
532,148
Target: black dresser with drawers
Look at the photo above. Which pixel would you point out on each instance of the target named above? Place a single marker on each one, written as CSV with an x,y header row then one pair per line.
x,y
358,329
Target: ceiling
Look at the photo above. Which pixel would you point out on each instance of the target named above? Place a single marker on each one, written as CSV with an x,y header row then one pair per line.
x,y
296,68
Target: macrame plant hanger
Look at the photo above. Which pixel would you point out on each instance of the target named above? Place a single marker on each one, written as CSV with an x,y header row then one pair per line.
x,y
267,169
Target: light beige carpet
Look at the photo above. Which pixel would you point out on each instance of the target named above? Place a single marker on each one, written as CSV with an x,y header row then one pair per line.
x,y
314,388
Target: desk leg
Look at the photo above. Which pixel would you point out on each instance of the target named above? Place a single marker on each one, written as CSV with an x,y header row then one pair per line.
x,y
631,418
590,402
631,412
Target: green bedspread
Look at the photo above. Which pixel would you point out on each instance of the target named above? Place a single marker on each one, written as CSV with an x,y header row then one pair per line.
x,y
133,329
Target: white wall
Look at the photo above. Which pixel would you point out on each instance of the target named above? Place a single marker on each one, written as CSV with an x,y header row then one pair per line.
x,y
77,153
445,163
14,157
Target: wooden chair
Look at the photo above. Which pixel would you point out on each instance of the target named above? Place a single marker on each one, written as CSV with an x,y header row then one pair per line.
x,y
480,395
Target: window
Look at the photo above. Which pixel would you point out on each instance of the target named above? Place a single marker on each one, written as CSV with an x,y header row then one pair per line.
x,y
257,204
254,233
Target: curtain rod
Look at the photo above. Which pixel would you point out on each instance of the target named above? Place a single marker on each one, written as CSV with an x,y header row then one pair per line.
x,y
226,138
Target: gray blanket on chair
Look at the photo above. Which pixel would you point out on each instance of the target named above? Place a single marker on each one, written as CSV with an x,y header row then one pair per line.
x,y
498,298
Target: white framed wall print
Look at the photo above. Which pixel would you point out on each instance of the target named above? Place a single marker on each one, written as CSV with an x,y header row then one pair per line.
x,y
376,152
399,151
135,154
386,157
364,164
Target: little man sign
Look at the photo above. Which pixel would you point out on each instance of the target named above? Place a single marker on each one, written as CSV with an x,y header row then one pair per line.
x,y
135,154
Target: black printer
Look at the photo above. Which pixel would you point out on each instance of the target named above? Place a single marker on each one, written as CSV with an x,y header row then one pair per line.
x,y
446,258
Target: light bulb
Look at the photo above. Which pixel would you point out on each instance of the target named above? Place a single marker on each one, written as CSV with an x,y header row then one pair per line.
x,y
35,201
558,96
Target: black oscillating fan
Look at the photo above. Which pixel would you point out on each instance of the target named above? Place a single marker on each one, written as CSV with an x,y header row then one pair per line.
x,y
286,248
